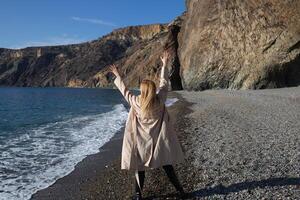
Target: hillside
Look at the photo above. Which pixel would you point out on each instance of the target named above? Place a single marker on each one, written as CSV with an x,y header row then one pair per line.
x,y
214,44
77,65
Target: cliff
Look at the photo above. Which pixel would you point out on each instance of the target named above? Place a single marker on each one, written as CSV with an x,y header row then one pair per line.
x,y
79,65
216,44
240,44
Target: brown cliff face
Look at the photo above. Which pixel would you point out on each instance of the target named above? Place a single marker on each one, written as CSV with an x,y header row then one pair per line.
x,y
142,60
240,44
79,65
249,44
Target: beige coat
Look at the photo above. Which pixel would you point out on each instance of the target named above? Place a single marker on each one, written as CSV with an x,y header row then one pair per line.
x,y
148,143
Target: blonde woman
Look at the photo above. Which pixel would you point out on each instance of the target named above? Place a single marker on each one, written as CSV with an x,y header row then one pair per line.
x,y
149,139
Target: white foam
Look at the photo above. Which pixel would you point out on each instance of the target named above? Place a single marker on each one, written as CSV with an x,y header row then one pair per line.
x,y
52,151
170,101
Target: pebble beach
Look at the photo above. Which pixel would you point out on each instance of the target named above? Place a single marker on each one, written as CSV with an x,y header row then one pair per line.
x,y
238,144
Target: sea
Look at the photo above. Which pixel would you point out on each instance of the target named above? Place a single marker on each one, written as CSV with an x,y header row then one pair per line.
x,y
45,132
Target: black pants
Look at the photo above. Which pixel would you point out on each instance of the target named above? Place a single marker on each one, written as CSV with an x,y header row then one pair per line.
x,y
170,173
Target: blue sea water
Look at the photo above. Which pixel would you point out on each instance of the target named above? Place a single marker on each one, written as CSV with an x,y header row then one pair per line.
x,y
45,132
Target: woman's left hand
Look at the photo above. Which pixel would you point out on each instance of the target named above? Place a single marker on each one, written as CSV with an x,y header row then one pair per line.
x,y
113,69
164,58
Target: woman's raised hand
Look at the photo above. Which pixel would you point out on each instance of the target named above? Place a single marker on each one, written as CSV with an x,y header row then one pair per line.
x,y
113,69
164,58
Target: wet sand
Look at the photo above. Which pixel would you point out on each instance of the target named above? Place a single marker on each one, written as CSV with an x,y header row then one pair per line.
x,y
238,145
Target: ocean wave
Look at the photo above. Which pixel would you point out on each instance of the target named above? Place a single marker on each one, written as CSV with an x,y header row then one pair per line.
x,y
37,158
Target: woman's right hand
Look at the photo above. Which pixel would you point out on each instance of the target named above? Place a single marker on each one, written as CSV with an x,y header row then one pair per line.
x,y
164,58
113,69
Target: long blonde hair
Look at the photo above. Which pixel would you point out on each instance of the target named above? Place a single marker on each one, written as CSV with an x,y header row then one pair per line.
x,y
148,98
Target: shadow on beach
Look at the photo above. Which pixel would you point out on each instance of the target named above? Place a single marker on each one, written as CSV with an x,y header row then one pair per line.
x,y
237,187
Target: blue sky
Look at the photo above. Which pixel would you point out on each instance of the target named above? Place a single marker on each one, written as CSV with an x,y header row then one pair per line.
x,y
51,22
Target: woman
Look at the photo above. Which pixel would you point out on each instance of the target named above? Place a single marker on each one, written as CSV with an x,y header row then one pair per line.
x,y
149,139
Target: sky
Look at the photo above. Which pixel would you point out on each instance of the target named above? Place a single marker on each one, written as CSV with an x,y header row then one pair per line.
x,y
26,23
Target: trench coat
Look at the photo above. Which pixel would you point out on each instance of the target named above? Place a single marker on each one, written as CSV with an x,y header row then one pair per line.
x,y
148,142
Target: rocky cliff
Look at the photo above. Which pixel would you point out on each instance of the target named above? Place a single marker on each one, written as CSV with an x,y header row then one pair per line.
x,y
216,44
81,65
240,44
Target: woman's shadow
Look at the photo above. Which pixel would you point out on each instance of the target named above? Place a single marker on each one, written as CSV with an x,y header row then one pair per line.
x,y
247,185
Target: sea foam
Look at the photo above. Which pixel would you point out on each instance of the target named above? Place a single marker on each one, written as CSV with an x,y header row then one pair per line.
x,y
37,158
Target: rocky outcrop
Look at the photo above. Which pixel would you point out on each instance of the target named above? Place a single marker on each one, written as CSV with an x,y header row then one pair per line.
x,y
142,60
171,45
240,44
215,44
135,49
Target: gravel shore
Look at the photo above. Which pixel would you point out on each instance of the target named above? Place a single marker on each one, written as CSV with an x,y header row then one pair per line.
x,y
245,144
238,145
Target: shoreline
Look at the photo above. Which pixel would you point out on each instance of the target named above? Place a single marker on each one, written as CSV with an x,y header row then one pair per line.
x,y
237,145
98,176
83,170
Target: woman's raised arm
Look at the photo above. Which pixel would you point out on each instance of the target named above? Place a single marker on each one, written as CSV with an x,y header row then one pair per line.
x,y
164,77
130,98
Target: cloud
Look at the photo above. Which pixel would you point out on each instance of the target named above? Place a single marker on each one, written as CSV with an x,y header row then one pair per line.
x,y
93,21
51,41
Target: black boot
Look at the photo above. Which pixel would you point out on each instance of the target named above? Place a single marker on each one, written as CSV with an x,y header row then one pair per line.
x,y
139,183
174,180
137,196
